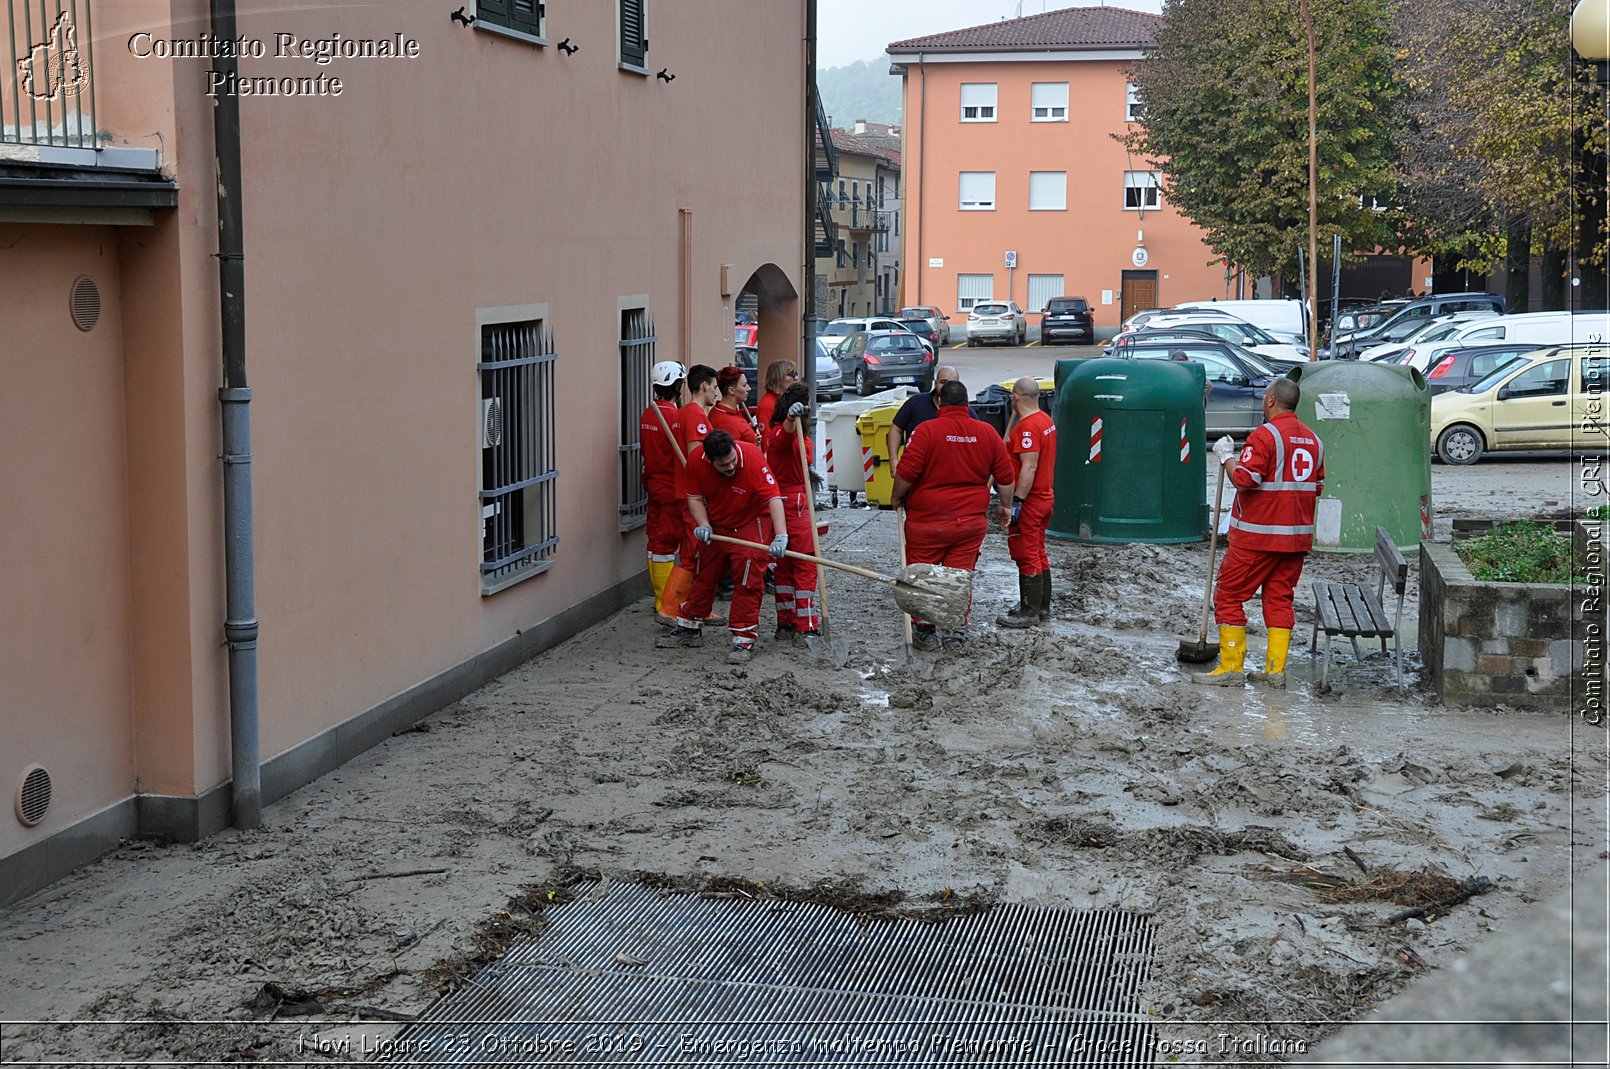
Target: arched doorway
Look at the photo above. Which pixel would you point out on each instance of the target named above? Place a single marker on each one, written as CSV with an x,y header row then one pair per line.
x,y
776,309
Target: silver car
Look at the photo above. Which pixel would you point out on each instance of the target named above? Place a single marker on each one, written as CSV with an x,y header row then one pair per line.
x,y
997,321
936,320
829,379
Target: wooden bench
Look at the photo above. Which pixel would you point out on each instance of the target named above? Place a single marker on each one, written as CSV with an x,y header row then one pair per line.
x,y
1349,610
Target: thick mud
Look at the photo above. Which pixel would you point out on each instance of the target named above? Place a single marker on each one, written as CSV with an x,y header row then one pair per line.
x,y
1070,766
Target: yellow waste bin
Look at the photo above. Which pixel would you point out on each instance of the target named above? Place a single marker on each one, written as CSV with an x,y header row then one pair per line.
x,y
876,463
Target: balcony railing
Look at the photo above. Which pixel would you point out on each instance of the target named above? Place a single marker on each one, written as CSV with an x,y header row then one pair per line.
x,y
47,86
857,215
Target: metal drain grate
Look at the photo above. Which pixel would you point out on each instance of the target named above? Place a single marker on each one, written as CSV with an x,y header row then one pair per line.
x,y
764,983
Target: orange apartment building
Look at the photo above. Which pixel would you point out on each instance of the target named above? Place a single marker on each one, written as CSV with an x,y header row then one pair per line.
x,y
1017,186
461,248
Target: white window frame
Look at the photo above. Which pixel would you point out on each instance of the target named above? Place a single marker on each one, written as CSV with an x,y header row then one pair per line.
x,y
965,303
1149,187
500,17
1048,102
1040,291
977,202
1132,104
982,101
1050,193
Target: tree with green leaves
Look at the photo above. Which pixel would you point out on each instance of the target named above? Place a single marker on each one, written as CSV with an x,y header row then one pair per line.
x,y
1225,95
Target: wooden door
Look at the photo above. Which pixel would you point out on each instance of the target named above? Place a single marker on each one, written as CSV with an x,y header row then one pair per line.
x,y
1139,293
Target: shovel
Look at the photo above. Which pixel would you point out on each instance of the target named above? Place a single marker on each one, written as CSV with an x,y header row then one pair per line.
x,y
931,591
838,651
1202,651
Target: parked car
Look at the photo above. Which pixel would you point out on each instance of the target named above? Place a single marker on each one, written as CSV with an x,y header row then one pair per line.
x,y
1539,329
1067,317
747,358
1236,332
1285,318
747,335
1432,330
1143,318
923,329
1551,399
936,320
1236,380
1458,368
829,379
997,321
843,328
878,359
1400,324
1195,333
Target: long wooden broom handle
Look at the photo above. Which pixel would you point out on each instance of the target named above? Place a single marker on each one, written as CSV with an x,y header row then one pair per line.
x,y
654,403
810,515
852,569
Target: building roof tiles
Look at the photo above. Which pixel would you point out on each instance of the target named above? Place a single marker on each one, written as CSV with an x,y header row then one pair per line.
x,y
1069,28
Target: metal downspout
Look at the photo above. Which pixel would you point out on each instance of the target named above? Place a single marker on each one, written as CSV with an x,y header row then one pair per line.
x,y
922,166
808,287
240,624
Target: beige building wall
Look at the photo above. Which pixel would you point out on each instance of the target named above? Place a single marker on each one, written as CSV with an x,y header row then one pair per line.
x,y
488,173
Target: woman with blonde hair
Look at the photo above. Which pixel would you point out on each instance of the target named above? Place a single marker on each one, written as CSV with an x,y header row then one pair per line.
x,y
780,375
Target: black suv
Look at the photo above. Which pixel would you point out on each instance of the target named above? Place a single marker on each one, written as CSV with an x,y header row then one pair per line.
x,y
1067,317
1403,322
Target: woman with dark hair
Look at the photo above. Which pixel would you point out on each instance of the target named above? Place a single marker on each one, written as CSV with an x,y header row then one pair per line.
x,y
796,579
780,375
731,413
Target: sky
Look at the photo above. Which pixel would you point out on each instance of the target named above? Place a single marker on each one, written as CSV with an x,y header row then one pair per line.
x,y
848,30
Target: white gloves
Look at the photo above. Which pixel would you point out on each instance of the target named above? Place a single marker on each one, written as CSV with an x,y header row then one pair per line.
x,y
796,410
1224,448
779,546
703,534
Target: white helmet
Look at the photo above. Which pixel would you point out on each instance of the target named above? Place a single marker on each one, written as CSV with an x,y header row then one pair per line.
x,y
667,373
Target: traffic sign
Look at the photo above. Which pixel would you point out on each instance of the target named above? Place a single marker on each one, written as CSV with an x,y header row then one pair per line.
x,y
1011,258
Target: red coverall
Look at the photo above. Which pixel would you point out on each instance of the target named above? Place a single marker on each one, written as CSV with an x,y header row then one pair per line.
x,y
739,507
1026,542
1278,477
795,581
662,475
948,463
734,422
763,412
692,424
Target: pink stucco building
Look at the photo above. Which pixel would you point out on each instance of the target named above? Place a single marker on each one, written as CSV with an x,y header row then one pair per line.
x,y
462,248
1017,186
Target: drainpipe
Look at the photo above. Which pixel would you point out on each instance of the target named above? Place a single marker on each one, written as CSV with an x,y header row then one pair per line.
x,y
240,623
808,319
921,265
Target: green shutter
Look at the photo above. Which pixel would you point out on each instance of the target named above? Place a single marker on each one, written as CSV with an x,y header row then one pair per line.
x,y
634,46
526,16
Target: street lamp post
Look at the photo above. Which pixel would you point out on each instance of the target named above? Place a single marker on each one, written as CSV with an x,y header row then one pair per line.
x,y
1590,37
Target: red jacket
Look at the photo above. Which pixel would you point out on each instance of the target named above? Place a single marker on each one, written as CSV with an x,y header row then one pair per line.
x,y
692,424
764,409
782,456
948,464
1278,477
733,502
661,469
734,423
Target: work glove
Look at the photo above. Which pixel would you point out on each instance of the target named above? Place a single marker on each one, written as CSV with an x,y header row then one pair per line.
x,y
796,410
1017,511
779,546
1223,448
703,534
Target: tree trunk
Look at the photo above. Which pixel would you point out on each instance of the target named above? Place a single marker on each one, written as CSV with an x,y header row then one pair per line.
x,y
1518,264
1552,287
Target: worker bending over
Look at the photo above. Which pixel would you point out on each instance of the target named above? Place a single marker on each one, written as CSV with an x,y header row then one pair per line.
x,y
730,492
943,481
1032,441
1278,477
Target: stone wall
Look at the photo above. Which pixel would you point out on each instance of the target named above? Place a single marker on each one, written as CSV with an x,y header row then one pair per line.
x,y
1516,644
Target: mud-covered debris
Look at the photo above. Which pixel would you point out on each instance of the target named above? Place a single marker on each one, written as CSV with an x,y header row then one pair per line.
x,y
911,697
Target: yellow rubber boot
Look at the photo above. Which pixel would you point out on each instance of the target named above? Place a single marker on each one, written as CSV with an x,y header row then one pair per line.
x,y
1274,665
658,572
1231,669
678,585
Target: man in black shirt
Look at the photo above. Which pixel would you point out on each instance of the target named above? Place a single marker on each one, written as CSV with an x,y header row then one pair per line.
x,y
918,409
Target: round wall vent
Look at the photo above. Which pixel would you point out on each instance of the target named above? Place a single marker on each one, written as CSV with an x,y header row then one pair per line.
x,y
33,795
86,303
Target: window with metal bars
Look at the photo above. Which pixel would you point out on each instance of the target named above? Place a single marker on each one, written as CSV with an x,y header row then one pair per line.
x,y
524,18
634,34
637,356
519,456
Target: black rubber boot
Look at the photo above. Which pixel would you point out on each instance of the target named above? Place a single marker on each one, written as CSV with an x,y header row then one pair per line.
x,y
1043,600
1027,613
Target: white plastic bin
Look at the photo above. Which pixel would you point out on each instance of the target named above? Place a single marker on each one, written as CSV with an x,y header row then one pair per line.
x,y
841,459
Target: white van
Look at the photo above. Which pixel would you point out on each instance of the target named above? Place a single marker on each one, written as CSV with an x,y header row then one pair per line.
x,y
1284,317
1542,328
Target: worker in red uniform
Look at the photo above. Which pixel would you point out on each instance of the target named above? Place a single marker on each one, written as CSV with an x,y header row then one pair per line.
x,y
1278,477
730,492
662,474
731,411
693,423
780,375
943,481
1032,441
796,580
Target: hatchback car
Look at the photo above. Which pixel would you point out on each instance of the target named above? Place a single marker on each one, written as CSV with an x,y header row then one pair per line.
x,y
878,359
840,329
936,320
997,321
1406,320
1236,380
1236,332
1069,318
1554,398
924,330
1457,368
829,379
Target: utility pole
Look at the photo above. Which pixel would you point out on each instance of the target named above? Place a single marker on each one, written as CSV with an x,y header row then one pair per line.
x,y
1311,290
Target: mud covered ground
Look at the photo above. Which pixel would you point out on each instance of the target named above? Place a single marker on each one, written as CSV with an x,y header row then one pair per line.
x,y
1071,767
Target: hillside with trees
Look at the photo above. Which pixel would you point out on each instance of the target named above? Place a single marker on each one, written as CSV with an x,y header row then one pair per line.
x,y
863,90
